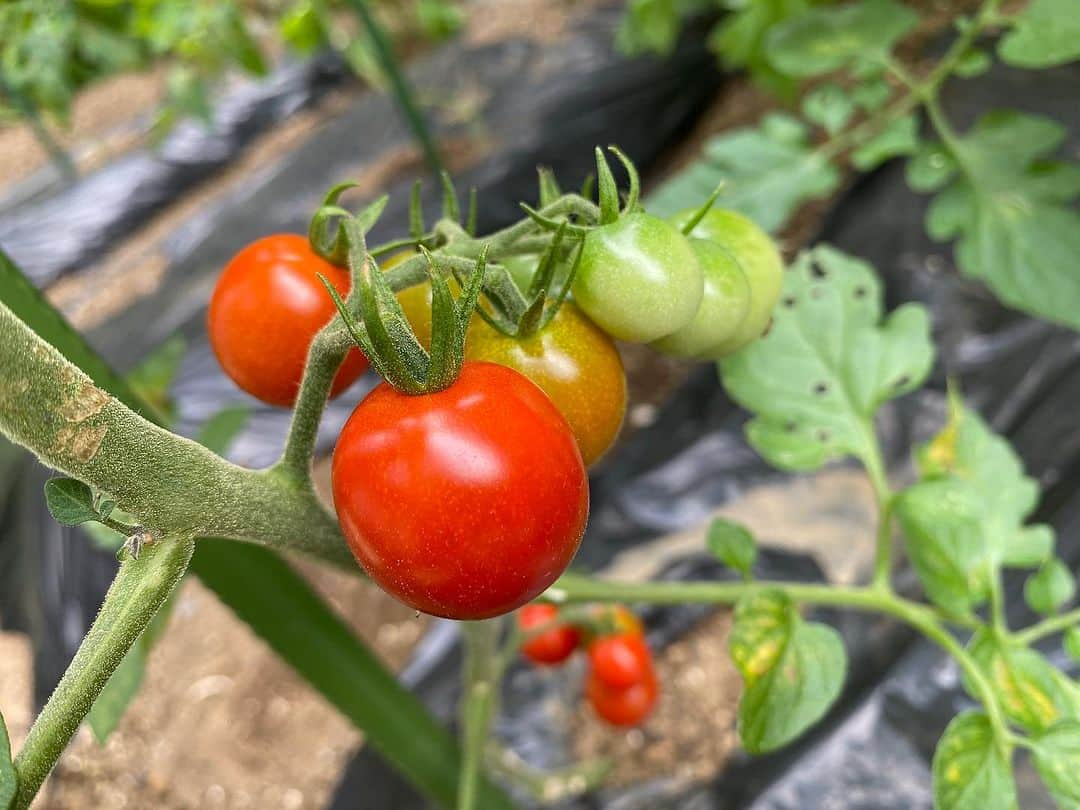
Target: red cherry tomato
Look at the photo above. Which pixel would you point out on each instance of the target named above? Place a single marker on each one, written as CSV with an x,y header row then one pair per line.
x,y
622,707
465,503
620,660
552,646
266,308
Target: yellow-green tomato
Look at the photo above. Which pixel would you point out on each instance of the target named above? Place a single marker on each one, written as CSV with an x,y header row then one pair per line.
x,y
521,269
574,363
638,278
760,260
724,306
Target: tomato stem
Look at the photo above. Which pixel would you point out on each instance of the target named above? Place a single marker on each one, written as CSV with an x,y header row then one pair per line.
x,y
480,677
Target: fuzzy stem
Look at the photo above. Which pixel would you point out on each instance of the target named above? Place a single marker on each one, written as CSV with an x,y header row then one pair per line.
x,y
140,588
172,485
481,683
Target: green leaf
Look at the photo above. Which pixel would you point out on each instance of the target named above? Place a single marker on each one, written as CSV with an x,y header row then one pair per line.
x,y
1032,692
739,38
1048,589
828,106
793,670
1070,642
767,173
1010,215
218,432
8,778
966,516
970,771
1045,33
1056,755
155,373
871,94
648,26
930,167
901,137
70,502
827,39
302,27
282,608
828,362
439,19
973,63
733,545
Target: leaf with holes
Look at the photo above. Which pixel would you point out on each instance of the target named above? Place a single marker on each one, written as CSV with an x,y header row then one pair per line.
x,y
767,173
970,770
1057,759
965,517
793,670
828,362
1009,212
1033,693
733,545
827,39
8,783
1045,33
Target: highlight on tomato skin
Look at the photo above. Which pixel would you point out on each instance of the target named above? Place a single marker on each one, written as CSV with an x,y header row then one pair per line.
x,y
465,503
551,647
267,306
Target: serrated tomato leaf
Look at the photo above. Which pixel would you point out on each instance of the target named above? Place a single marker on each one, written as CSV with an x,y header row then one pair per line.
x,y
792,670
815,380
768,171
1045,33
970,771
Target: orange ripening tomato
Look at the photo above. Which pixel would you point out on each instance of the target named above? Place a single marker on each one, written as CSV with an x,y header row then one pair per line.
x,y
266,308
551,646
575,363
465,503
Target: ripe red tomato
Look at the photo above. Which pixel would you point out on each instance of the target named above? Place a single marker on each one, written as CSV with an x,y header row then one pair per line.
x,y
552,646
621,660
575,363
465,503
267,306
622,707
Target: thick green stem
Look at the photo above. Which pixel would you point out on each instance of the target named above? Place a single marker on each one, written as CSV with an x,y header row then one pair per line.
x,y
479,699
1047,627
140,588
172,485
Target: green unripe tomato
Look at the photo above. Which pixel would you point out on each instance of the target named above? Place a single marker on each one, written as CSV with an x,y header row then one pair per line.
x,y
638,279
521,269
760,260
723,308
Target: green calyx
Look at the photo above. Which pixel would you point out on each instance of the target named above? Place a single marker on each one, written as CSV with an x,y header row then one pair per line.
x,y
383,332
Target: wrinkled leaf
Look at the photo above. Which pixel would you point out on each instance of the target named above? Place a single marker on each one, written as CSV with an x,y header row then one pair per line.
x,y
8,783
1045,33
815,380
733,545
827,39
901,137
966,516
829,106
793,670
70,502
970,771
1010,216
1033,693
766,177
1057,759
1048,589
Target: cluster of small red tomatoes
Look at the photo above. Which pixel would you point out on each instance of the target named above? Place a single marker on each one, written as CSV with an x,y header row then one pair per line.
x,y
621,684
470,501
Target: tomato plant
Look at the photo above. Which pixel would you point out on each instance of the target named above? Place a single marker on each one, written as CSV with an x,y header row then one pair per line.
x,y
267,306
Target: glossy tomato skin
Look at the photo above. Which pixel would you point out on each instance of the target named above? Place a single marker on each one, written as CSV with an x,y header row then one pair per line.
x,y
552,647
266,308
638,278
466,503
575,364
622,707
620,660
724,306
761,262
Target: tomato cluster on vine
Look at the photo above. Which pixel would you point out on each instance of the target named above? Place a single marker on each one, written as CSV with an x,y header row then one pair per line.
x,y
460,481
621,683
